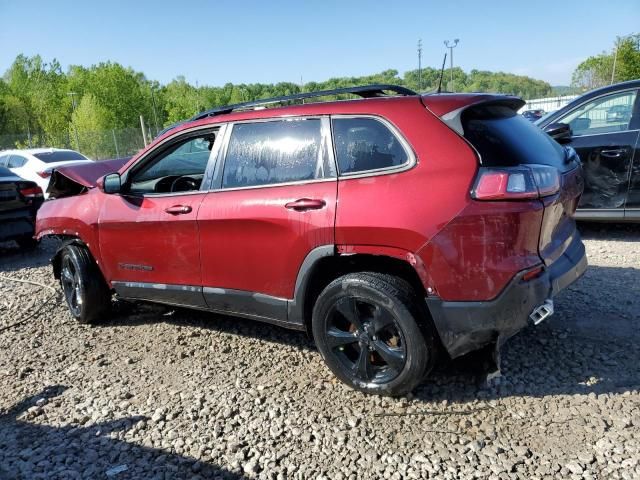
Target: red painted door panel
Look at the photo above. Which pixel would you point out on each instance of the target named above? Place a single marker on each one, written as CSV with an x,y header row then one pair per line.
x,y
140,241
256,239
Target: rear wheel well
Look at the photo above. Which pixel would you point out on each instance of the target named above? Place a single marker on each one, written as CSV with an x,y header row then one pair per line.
x,y
329,268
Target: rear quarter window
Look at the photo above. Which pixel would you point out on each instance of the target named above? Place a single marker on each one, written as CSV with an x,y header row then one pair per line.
x,y
366,144
504,138
16,161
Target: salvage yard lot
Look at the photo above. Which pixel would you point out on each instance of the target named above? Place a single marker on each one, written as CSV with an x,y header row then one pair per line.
x,y
158,393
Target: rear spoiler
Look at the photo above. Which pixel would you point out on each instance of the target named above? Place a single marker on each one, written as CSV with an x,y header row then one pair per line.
x,y
449,107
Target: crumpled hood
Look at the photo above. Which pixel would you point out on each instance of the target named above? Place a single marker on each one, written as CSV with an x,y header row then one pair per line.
x,y
87,174
74,179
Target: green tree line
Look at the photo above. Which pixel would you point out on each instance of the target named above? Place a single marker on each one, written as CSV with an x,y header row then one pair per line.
x,y
619,64
54,107
57,107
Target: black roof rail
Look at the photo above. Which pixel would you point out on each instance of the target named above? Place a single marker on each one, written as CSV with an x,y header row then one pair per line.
x,y
366,91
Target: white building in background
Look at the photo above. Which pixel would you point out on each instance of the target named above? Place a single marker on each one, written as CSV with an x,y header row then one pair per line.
x,y
548,104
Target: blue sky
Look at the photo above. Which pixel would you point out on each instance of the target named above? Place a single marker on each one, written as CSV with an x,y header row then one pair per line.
x,y
214,42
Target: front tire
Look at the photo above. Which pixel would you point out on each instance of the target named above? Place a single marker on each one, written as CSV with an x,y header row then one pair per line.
x,y
366,326
84,288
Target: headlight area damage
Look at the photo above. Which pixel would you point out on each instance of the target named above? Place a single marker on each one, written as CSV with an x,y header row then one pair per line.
x,y
74,180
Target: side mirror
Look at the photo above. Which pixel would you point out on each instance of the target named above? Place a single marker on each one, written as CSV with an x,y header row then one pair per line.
x,y
111,183
560,132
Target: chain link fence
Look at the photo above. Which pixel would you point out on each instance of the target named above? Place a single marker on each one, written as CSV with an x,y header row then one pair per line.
x,y
100,145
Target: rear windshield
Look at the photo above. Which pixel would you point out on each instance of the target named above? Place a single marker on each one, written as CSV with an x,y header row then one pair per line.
x,y
504,138
59,156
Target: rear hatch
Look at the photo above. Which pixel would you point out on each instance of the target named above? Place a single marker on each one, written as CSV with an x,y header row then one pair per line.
x,y
508,141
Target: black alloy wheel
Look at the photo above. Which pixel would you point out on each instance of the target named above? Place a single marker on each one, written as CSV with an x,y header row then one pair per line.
x,y
85,290
372,333
72,286
366,339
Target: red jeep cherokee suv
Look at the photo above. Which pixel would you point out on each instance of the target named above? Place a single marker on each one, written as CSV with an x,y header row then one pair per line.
x,y
391,226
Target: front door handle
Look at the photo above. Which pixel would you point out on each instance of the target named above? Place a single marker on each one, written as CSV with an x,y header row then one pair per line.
x,y
178,209
304,204
612,152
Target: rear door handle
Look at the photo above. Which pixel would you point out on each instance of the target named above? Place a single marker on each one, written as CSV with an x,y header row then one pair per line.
x,y
178,209
612,152
303,204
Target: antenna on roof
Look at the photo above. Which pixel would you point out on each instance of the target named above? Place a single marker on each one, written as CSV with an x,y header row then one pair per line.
x,y
442,73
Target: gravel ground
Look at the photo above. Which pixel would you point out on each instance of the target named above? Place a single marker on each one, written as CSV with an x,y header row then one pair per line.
x,y
157,393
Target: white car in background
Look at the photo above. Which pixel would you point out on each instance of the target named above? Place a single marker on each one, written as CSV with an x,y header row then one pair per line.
x,y
37,164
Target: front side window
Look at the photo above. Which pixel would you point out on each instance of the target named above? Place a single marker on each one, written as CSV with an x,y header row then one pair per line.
x,y
611,113
16,161
364,144
179,169
3,160
280,151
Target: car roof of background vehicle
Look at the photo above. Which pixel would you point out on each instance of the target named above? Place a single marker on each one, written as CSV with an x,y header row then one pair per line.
x,y
609,89
616,87
31,151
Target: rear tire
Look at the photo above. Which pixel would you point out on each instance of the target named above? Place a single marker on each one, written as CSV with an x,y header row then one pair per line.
x,y
367,328
86,293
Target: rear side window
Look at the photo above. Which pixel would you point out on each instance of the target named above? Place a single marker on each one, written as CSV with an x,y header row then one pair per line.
x,y
364,144
264,153
59,156
16,161
504,138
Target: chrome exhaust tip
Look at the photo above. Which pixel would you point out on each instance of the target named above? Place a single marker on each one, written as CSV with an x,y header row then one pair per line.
x,y
542,312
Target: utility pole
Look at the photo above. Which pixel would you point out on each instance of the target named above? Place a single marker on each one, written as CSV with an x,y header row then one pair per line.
x,y
419,64
451,46
73,109
155,114
142,127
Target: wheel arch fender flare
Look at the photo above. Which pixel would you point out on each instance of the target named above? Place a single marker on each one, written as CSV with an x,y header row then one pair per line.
x,y
297,310
56,260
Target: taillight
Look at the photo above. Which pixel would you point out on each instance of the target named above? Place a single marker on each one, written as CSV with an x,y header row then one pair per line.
x,y
516,183
45,174
31,192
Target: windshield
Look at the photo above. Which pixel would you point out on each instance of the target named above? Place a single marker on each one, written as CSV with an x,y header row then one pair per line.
x,y
59,156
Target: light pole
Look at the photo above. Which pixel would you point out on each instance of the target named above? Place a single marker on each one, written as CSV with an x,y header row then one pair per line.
x,y
451,46
73,109
419,64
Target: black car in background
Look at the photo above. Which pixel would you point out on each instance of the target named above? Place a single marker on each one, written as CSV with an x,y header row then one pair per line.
x,y
533,115
19,201
603,126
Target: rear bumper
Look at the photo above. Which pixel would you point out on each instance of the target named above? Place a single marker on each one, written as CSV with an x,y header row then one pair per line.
x,y
467,326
